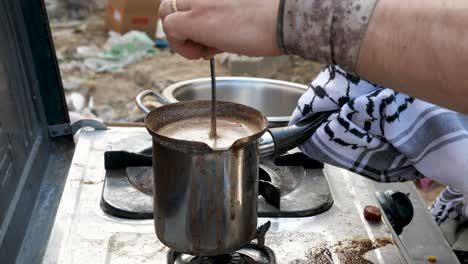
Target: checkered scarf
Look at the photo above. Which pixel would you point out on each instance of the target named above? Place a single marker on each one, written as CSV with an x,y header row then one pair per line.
x,y
382,134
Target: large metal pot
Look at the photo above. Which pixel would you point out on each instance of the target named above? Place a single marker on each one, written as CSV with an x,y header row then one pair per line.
x,y
276,99
205,200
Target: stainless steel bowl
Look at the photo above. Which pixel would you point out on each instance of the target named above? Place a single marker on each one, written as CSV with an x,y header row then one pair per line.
x,y
276,99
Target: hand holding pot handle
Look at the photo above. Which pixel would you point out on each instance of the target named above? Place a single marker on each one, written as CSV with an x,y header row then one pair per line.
x,y
287,138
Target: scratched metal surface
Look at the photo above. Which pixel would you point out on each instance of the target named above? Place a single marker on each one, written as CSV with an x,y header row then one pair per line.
x,y
82,233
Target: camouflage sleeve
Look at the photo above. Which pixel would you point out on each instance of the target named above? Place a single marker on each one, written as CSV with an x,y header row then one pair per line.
x,y
326,31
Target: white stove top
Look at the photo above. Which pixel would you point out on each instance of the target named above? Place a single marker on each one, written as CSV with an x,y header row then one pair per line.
x,y
83,234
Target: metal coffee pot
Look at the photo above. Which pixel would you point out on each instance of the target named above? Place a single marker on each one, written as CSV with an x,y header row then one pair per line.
x,y
205,200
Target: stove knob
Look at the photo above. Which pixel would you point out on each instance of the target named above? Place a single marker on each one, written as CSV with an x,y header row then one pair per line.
x,y
397,208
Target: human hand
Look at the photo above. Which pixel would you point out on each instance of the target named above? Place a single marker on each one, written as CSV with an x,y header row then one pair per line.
x,y
360,127
204,28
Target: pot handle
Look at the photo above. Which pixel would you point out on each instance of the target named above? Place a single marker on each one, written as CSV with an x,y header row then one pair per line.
x,y
140,98
280,140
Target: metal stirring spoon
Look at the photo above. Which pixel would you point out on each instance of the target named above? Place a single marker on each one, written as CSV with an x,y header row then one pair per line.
x,y
213,99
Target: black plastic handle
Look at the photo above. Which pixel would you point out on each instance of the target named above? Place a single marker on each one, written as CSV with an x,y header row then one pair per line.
x,y
287,138
118,160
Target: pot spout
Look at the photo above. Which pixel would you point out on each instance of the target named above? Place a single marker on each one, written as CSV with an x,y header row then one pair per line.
x,y
280,140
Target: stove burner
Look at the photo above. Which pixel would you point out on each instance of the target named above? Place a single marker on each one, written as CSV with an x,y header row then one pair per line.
x,y
263,175
251,254
288,164
233,258
267,190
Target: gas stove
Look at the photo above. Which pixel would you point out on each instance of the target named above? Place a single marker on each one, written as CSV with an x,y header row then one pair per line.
x,y
103,218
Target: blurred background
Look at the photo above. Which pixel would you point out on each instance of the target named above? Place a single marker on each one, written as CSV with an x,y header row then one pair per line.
x,y
105,63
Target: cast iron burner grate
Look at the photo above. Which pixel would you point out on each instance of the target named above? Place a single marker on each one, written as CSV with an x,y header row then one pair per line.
x,y
252,254
233,258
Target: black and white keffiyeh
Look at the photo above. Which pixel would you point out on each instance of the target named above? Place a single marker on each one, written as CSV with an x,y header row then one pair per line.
x,y
385,135
449,210
449,205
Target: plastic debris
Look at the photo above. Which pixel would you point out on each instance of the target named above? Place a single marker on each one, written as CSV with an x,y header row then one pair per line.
x,y
119,51
161,44
88,51
160,30
76,101
432,259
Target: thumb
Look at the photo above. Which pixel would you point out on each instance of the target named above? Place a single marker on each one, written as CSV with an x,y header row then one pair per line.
x,y
176,26
179,34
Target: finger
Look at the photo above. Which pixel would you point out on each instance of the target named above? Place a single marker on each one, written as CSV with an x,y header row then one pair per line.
x,y
209,53
180,40
173,24
165,8
187,49
181,26
194,51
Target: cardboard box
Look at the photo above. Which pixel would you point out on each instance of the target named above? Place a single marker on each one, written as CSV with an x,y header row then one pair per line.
x,y
126,15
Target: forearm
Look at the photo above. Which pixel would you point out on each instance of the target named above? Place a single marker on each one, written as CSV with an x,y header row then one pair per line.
x,y
420,48
417,47
327,31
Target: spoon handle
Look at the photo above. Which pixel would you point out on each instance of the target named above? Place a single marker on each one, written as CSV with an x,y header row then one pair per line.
x,y
213,99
